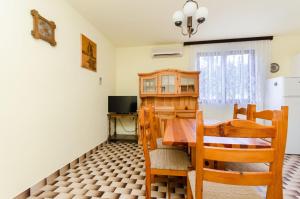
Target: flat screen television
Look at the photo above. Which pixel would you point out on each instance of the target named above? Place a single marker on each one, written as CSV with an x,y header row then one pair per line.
x,y
122,104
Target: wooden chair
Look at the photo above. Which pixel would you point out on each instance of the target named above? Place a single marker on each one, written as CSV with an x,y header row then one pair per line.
x,y
156,141
266,116
160,161
247,112
239,129
155,128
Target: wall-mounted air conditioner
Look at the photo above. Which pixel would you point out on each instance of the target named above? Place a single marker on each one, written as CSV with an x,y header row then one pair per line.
x,y
167,52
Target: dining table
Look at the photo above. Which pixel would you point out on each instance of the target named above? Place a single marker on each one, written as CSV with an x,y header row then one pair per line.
x,y
181,131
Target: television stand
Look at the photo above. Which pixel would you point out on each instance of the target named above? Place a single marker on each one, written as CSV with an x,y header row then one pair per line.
x,y
115,137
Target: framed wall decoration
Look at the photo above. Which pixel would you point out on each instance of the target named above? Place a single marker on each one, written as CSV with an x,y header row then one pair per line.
x,y
88,54
43,28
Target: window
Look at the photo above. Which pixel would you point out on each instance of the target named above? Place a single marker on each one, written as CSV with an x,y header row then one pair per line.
x,y
228,77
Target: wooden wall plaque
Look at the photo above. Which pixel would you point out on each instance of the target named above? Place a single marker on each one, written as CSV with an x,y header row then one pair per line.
x,y
43,28
88,54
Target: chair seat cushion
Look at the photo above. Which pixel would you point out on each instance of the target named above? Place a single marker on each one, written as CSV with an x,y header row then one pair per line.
x,y
160,145
222,191
169,159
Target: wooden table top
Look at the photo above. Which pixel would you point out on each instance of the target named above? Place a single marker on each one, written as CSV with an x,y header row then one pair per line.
x,y
183,132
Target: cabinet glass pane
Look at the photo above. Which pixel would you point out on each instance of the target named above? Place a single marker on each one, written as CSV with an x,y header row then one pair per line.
x,y
149,85
172,80
168,83
187,84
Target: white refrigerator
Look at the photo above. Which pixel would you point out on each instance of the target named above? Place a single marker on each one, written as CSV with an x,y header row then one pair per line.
x,y
286,91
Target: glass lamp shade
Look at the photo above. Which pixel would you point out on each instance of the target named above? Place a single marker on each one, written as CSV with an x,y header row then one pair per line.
x,y
201,13
190,8
178,17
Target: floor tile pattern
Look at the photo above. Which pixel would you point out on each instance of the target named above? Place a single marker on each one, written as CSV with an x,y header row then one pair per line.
x,y
291,177
116,171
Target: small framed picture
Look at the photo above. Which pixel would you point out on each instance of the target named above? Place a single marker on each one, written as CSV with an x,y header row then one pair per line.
x,y
43,28
88,54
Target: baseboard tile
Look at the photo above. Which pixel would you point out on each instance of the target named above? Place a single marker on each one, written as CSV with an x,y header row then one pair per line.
x,y
35,188
23,195
50,179
63,170
73,163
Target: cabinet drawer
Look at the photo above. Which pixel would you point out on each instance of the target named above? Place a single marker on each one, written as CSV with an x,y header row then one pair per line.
x,y
166,115
186,114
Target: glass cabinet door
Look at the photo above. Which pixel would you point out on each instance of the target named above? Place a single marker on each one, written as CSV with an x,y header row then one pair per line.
x,y
149,85
168,84
187,84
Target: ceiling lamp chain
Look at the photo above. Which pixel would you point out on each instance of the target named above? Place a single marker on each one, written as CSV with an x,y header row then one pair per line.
x,y
191,11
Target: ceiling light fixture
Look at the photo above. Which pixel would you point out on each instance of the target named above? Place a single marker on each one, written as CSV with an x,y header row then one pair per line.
x,y
191,10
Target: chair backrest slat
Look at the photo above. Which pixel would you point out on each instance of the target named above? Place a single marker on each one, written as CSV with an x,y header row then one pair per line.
x,y
265,115
239,155
240,129
239,132
238,178
242,111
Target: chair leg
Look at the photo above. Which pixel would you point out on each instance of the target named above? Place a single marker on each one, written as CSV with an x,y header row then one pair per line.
x,y
279,187
168,189
271,192
280,190
188,189
148,185
275,190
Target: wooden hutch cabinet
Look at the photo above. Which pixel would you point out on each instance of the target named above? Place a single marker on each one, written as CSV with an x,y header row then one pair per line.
x,y
172,92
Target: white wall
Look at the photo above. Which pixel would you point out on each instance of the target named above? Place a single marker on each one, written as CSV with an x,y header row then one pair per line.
x,y
133,60
285,50
52,110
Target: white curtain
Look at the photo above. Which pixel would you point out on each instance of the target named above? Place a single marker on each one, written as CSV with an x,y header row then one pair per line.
x,y
232,72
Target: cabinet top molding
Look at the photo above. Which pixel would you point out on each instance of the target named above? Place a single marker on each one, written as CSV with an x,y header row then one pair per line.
x,y
168,70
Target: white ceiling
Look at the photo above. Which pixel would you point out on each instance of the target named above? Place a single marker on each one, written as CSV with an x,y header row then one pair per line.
x,y
148,22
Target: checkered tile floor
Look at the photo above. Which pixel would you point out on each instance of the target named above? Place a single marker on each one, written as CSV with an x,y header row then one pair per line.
x,y
116,171
291,176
